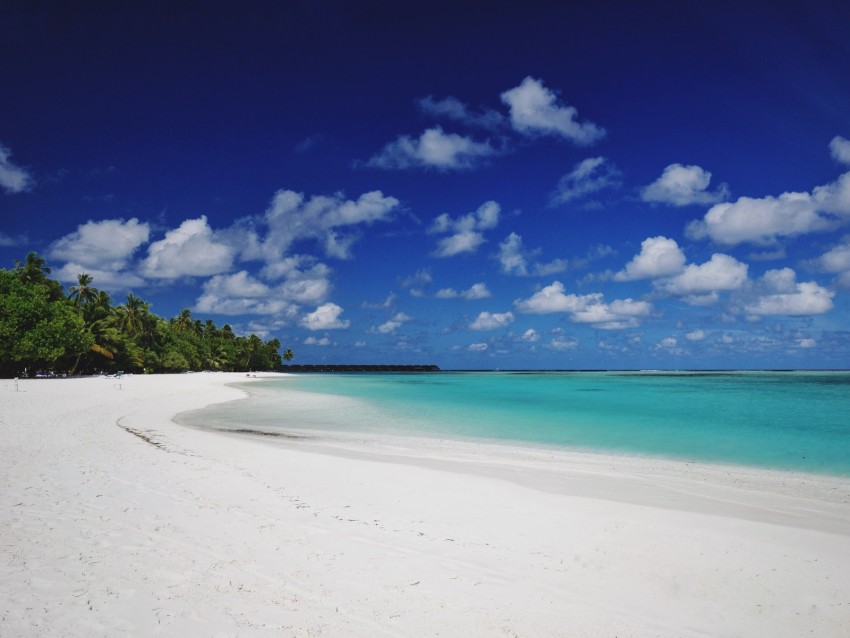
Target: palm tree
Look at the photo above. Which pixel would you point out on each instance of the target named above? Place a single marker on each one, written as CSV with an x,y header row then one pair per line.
x,y
83,293
100,308
34,269
288,355
210,330
183,322
132,315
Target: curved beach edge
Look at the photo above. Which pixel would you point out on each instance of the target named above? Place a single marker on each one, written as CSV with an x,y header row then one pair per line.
x,y
119,521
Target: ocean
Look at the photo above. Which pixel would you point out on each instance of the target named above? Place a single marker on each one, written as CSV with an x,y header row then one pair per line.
x,y
781,420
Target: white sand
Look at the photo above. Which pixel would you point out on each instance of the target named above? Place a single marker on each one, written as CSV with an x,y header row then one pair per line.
x,y
116,521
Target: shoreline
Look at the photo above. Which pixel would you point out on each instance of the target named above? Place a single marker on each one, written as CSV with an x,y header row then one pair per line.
x,y
151,526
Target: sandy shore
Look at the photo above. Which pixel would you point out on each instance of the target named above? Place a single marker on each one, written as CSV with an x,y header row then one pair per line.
x,y
116,521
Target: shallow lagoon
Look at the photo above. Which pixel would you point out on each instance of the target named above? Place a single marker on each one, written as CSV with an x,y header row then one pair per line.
x,y
782,420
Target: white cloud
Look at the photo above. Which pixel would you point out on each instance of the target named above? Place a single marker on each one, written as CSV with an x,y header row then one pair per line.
x,y
102,249
303,282
325,317
241,293
190,249
466,235
553,299
683,185
787,297
291,217
617,315
806,343
492,321
695,335
474,292
13,178
434,149
561,344
764,220
477,347
308,287
421,277
466,241
588,176
390,327
512,257
313,341
453,109
837,260
699,284
589,309
105,279
534,111
530,335
840,149
516,260
658,257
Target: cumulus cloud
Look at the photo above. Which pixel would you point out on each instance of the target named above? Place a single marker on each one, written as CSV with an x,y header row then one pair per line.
x,y
433,149
390,327
474,292
189,250
530,336
13,179
305,281
553,298
699,284
787,297
695,335
325,317
840,149
511,256
240,293
588,176
104,250
453,109
837,261
292,217
681,185
313,341
492,321
764,220
105,279
619,314
534,110
516,260
477,347
561,344
658,257
589,309
465,232
298,280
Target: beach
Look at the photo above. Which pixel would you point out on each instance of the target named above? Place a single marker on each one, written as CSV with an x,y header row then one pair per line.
x,y
118,521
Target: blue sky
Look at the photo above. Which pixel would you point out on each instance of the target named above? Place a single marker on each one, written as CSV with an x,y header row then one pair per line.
x,y
475,185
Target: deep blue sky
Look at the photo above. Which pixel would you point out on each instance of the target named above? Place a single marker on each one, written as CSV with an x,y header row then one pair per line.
x,y
472,184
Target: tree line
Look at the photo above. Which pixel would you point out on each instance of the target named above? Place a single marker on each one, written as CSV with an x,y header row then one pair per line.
x,y
43,328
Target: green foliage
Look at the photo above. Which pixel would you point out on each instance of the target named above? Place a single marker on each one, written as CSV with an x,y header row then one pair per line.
x,y
36,331
42,328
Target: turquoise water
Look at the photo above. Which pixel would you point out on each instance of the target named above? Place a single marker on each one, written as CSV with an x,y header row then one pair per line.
x,y
796,421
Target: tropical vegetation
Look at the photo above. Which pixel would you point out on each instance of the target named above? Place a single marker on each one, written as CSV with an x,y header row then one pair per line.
x,y
45,329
